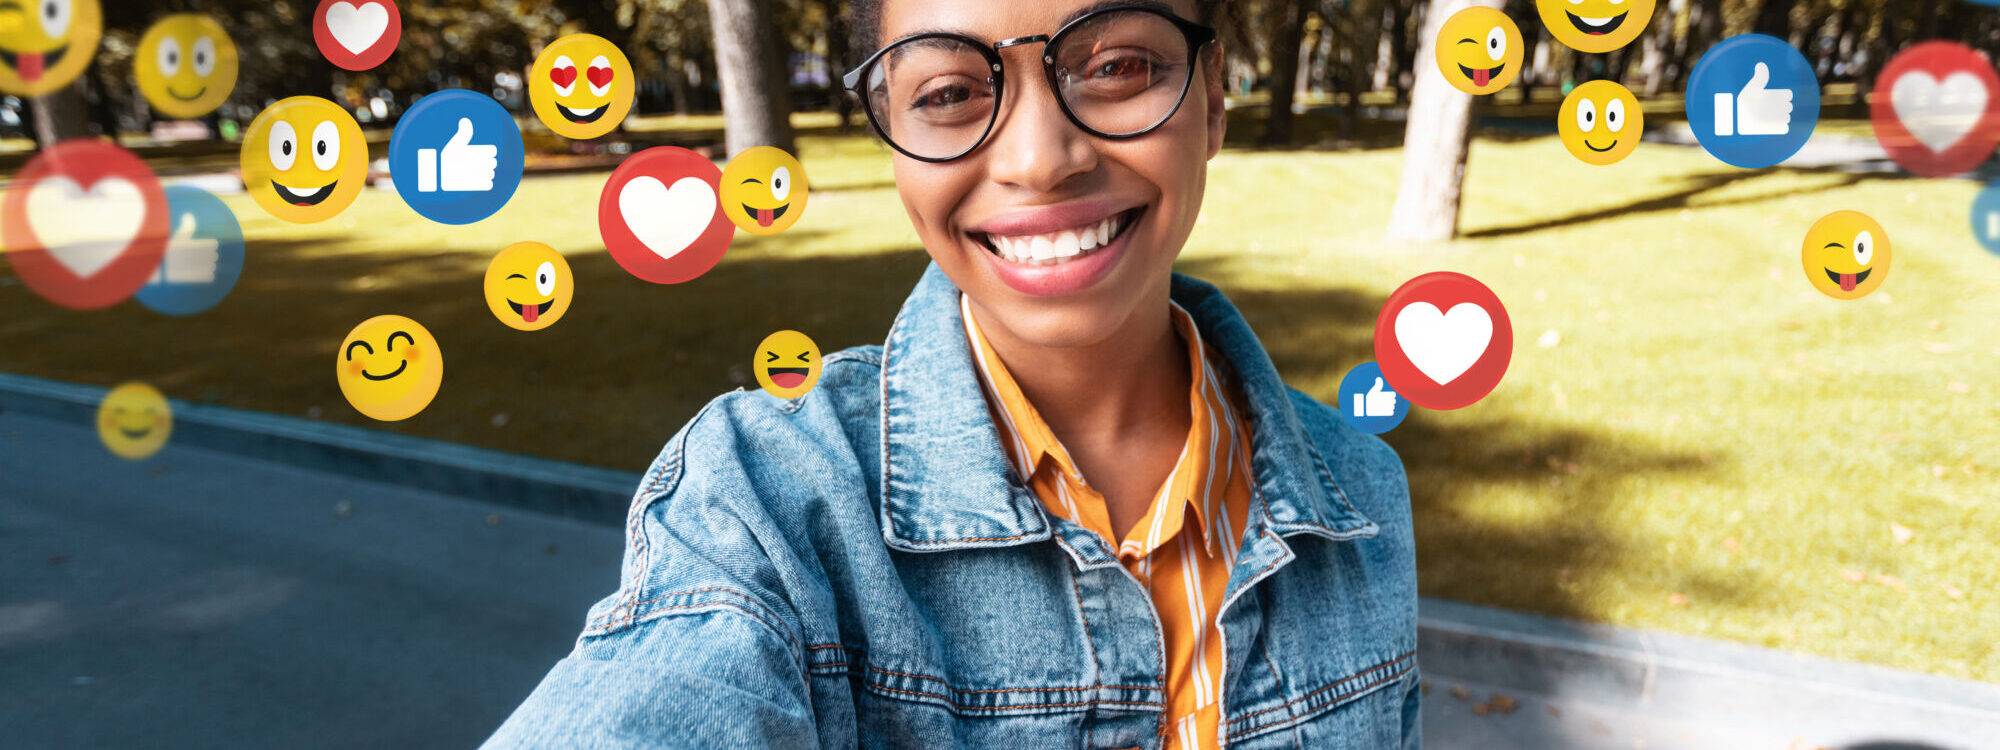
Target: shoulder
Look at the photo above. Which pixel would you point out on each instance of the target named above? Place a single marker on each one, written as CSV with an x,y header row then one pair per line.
x,y
1362,465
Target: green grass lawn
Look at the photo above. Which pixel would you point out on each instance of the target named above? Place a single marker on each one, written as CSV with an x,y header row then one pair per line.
x,y
1690,437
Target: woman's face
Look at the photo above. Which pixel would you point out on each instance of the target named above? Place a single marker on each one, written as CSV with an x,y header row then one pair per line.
x,y
1037,178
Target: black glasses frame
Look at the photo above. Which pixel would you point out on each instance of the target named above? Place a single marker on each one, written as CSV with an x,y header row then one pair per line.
x,y
1197,36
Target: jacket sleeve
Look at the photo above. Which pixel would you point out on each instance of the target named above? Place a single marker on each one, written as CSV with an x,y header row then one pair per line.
x,y
1413,720
699,648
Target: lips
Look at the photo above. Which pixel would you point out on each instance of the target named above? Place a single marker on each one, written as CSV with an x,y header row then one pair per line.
x,y
31,65
765,216
787,377
1481,76
582,117
1035,266
531,313
1848,281
304,199
1596,26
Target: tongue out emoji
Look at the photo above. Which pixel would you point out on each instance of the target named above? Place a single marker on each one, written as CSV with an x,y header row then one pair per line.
x,y
30,66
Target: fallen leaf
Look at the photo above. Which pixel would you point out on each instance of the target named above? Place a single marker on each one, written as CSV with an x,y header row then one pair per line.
x,y
1503,703
1481,709
1902,533
1953,591
1889,581
1853,576
1459,692
1549,338
1677,599
1939,470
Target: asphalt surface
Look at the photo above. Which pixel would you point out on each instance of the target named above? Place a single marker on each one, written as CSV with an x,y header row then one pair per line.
x,y
202,599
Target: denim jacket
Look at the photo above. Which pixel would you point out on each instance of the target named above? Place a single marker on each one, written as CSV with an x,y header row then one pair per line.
x,y
860,568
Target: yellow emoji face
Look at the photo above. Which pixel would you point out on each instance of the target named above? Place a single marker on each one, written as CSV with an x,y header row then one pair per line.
x,y
186,65
1846,254
764,190
1600,122
134,421
1595,25
529,286
581,86
304,159
1479,50
44,44
787,364
389,368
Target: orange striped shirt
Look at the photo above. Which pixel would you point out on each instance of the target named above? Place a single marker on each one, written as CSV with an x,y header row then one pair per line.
x,y
1207,494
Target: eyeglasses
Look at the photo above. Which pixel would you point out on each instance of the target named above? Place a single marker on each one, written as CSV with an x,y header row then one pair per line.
x,y
1118,72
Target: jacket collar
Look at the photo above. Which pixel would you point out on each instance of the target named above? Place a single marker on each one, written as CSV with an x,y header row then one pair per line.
x,y
946,483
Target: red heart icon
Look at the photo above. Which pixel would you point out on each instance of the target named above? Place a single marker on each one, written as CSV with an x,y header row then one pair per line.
x,y
600,76
564,77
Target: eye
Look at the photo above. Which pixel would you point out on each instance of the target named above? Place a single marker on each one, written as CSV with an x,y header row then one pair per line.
x,y
1864,247
600,63
1586,115
805,356
1614,115
781,183
284,145
563,69
170,56
204,56
770,356
545,278
326,145
55,17
1496,43
406,337
362,344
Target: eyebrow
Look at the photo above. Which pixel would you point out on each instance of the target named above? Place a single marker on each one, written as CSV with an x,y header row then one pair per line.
x,y
1157,5
1835,244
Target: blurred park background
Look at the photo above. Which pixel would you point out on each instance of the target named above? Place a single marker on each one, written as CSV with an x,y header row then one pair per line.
x,y
1690,437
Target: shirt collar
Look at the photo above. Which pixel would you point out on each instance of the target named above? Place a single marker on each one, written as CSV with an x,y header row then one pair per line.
x,y
947,483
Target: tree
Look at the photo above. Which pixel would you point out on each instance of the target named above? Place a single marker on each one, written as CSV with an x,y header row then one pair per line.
x,y
751,65
1288,36
1434,142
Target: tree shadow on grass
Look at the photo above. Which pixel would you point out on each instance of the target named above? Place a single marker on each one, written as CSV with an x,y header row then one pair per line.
x,y
1692,186
1541,554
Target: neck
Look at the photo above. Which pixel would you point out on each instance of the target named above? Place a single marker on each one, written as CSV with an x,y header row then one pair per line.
x,y
1131,382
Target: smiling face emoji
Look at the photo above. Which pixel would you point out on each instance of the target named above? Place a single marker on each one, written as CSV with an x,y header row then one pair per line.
x,y
1846,254
44,44
1595,25
787,364
304,159
1479,50
186,65
389,368
581,86
134,421
529,286
764,190
1600,122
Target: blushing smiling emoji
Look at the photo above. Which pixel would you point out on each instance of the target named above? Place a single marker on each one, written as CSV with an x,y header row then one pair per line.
x,y
763,190
45,44
787,364
581,86
134,421
529,286
389,368
304,159
1846,254
1595,25
1478,50
1600,123
186,65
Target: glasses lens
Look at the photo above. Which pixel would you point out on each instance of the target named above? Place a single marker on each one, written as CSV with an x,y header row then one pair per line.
x,y
932,96
1123,72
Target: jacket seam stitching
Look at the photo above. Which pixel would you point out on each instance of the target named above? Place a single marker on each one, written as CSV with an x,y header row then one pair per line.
x,y
759,613
956,706
1337,683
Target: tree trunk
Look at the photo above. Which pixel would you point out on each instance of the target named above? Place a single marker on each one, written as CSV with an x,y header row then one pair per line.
x,y
751,66
60,116
836,64
1434,143
1775,18
1653,67
1402,57
1285,54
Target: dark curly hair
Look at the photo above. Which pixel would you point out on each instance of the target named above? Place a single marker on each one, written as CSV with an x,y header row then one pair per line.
x,y
865,22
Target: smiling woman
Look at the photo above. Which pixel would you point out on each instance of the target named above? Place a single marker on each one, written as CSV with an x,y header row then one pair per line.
x,y
1067,502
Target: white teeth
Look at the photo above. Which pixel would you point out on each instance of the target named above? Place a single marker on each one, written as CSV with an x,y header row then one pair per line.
x,y
1056,247
1594,21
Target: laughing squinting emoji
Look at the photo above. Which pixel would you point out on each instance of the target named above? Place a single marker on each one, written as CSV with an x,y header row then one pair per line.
x,y
787,364
581,86
529,286
45,44
1595,25
304,159
1479,50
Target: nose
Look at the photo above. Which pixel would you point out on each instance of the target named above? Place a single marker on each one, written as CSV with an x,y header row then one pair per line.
x,y
1034,146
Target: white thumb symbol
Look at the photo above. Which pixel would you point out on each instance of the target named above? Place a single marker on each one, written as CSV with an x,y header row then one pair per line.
x,y
1758,79
464,134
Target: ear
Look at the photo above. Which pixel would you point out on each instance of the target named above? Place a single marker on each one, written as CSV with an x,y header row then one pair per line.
x,y
1218,110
